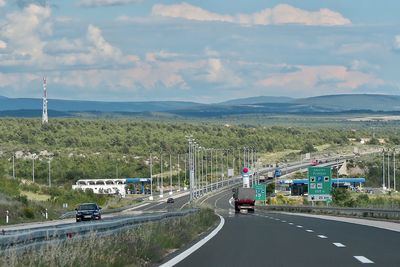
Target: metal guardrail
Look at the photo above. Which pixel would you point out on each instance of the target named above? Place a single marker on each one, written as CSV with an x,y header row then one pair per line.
x,y
388,214
40,235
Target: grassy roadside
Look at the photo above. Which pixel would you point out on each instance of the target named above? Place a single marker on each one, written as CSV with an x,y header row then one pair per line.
x,y
141,246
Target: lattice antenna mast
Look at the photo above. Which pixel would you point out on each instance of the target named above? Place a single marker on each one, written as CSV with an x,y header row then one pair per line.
x,y
45,117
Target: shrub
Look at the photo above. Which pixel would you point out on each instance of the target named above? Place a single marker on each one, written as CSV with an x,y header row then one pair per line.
x,y
28,212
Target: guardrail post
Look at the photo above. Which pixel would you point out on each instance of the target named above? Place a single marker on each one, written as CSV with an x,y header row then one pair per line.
x,y
7,216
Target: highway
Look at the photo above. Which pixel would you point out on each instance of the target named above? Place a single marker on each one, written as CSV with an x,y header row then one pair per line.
x,y
277,239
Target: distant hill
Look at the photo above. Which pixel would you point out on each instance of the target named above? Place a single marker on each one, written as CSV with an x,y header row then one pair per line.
x,y
32,113
29,107
258,100
345,102
79,106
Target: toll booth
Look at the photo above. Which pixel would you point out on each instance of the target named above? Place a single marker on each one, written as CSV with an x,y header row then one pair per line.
x,y
138,185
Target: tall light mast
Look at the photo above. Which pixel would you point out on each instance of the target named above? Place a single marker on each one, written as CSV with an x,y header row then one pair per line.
x,y
45,117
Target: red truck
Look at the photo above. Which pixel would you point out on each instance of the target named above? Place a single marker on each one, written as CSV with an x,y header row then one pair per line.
x,y
245,199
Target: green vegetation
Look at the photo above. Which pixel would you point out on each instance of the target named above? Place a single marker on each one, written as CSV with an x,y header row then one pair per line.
x,y
90,148
141,246
345,198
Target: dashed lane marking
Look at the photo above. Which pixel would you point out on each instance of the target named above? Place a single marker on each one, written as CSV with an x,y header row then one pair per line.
x,y
310,231
322,236
299,226
339,245
363,259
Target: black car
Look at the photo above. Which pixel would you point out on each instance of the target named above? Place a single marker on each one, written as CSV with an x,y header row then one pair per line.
x,y
88,211
170,200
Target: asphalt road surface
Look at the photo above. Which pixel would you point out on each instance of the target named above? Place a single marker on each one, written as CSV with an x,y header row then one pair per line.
x,y
274,239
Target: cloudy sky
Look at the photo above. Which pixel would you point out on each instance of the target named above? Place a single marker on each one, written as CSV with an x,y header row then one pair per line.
x,y
204,51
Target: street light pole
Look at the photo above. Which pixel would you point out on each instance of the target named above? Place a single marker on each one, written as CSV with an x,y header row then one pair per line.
x,y
388,172
33,169
151,178
161,177
170,174
49,172
394,169
179,176
383,170
13,159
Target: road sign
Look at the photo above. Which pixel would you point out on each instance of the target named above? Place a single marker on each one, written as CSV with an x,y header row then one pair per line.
x,y
319,184
261,192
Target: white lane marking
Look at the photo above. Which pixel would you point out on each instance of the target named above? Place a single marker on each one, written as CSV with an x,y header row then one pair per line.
x,y
363,259
291,223
283,221
339,245
277,219
322,236
299,226
195,247
310,231
137,207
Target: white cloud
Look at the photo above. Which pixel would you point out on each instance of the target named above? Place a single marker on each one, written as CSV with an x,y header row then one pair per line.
x,y
23,31
24,35
317,80
3,45
160,55
363,65
187,11
397,42
2,3
97,3
280,14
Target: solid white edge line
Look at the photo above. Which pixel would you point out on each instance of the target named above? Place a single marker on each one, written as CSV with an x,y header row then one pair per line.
x,y
339,245
195,247
363,259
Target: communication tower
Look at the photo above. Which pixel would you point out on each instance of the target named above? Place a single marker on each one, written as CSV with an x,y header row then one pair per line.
x,y
45,117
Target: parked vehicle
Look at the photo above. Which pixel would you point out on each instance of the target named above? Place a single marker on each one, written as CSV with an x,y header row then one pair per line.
x,y
87,212
170,200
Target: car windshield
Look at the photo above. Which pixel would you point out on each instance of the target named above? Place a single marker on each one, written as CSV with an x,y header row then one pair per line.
x,y
87,207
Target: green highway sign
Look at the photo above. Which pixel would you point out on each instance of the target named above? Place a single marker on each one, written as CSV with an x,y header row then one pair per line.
x,y
319,184
261,192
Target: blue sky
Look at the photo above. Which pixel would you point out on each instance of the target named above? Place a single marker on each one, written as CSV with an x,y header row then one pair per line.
x,y
203,51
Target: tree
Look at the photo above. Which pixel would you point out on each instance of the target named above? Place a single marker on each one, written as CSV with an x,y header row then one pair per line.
x,y
308,147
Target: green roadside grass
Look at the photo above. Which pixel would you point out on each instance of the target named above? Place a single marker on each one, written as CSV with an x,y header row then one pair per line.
x,y
143,245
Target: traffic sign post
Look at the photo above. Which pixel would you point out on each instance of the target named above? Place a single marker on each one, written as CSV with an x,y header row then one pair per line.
x,y
319,184
261,192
